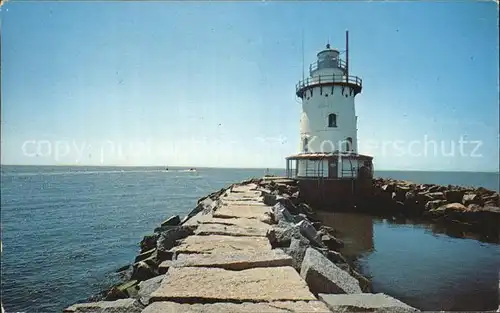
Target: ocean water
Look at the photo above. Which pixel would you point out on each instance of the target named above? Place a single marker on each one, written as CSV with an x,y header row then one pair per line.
x,y
65,230
419,264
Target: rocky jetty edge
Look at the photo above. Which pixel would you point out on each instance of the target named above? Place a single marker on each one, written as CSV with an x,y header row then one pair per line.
x,y
471,209
257,247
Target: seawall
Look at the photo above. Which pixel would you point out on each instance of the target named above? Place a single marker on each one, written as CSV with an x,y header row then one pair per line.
x,y
249,247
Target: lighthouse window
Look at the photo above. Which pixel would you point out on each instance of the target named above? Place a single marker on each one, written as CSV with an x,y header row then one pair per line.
x,y
332,120
305,145
349,143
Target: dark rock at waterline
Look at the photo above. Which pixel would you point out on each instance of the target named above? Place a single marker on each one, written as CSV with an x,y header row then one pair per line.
x,y
305,209
205,205
168,238
114,294
148,242
144,255
450,207
163,228
331,242
335,257
454,195
123,268
143,271
172,221
434,204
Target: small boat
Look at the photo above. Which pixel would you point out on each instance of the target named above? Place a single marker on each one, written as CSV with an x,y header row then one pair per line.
x,y
192,170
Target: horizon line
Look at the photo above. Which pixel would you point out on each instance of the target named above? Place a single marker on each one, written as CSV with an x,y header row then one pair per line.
x,y
231,167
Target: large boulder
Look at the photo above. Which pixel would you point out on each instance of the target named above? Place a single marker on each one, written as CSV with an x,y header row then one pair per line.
x,y
172,221
280,213
331,242
491,200
450,207
143,271
436,195
281,237
205,205
268,198
322,276
471,198
168,238
305,209
364,302
431,205
287,202
388,188
145,255
297,250
400,191
436,188
307,230
147,287
115,293
148,242
423,197
454,195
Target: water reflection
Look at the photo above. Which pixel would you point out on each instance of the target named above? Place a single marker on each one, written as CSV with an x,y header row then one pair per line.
x,y
428,266
356,230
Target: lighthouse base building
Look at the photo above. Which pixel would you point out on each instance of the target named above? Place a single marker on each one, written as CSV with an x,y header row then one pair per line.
x,y
329,170
331,179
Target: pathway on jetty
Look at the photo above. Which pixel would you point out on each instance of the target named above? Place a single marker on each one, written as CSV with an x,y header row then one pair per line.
x,y
229,260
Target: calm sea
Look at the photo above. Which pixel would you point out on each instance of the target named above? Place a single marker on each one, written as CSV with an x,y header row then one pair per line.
x,y
65,230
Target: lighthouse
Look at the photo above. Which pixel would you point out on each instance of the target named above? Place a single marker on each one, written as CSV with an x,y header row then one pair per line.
x,y
328,167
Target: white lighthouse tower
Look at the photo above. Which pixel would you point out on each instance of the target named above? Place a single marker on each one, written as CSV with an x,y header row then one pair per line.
x,y
328,119
328,161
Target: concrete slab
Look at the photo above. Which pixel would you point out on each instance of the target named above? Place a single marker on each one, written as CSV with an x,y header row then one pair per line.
x,y
241,222
230,261
118,306
229,230
246,307
195,284
245,211
222,244
364,302
240,202
244,188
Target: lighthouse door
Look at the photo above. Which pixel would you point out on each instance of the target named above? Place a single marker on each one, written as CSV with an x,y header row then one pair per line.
x,y
332,168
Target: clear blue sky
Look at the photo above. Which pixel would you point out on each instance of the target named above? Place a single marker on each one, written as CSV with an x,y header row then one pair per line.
x,y
212,83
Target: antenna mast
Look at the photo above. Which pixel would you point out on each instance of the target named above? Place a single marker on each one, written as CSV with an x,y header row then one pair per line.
x,y
303,55
347,54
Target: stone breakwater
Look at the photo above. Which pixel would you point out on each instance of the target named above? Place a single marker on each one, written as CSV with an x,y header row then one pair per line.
x,y
477,209
252,247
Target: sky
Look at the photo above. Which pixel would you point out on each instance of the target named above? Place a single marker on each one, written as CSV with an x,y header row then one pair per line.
x,y
213,83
